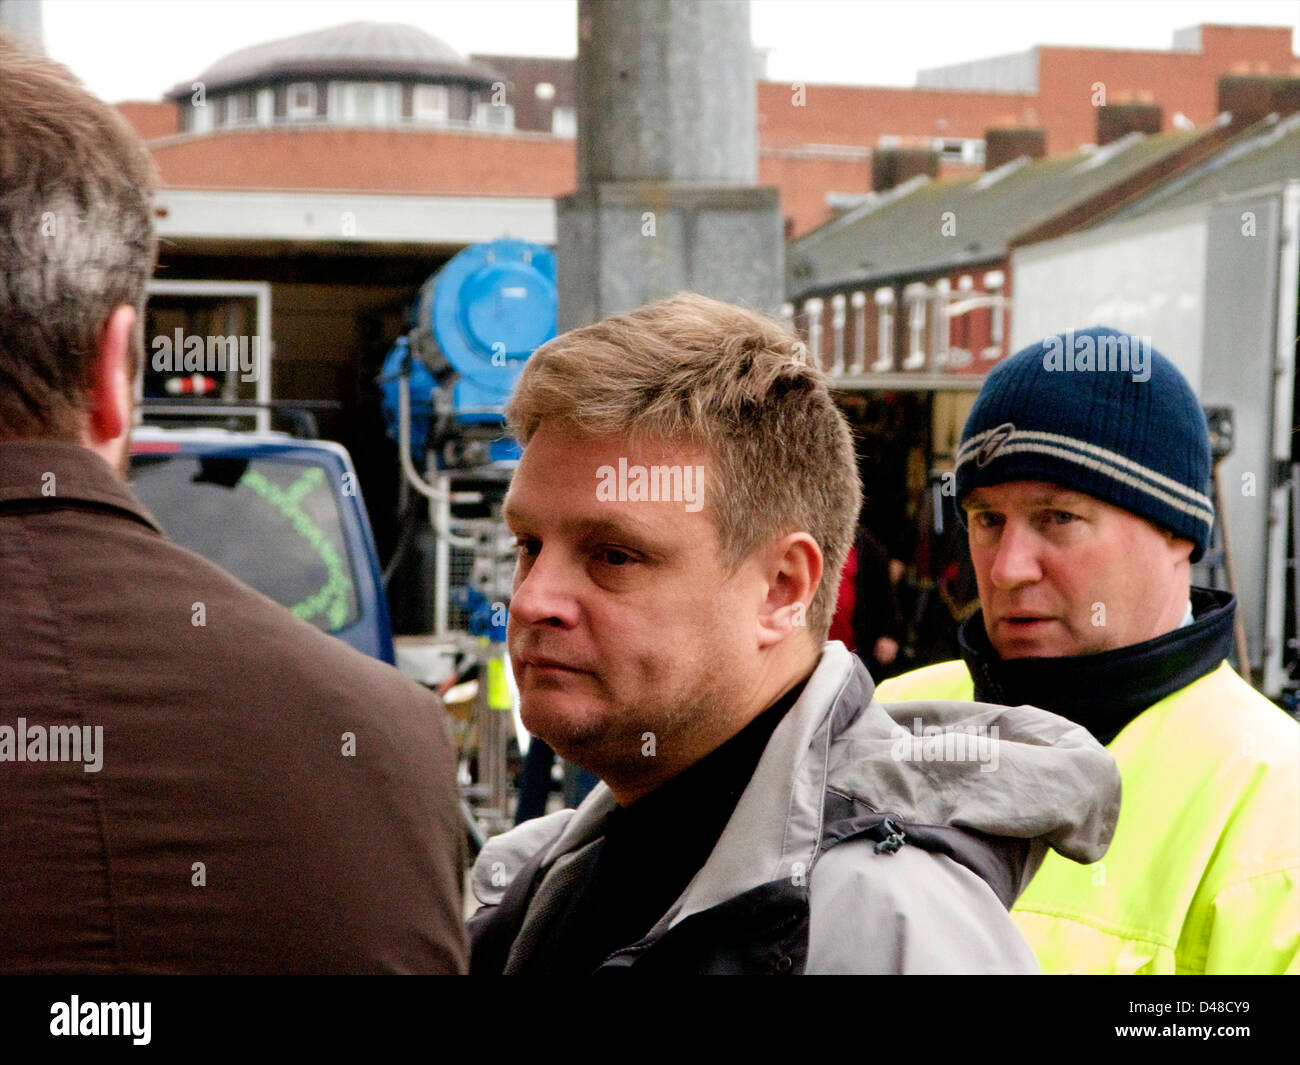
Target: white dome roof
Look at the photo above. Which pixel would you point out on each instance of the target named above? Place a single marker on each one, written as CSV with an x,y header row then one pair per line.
x,y
388,49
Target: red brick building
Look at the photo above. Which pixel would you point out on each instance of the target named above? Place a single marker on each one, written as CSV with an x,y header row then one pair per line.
x,y
502,125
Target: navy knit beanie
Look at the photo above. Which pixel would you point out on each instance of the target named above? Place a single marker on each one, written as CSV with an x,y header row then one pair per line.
x,y
1102,413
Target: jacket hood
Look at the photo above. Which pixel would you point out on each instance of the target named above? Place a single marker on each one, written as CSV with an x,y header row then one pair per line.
x,y
1012,772
1034,777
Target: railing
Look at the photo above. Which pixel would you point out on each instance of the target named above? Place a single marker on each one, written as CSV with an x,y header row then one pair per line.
x,y
836,332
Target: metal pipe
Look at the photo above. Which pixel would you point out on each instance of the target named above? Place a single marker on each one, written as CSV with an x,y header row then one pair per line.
x,y
859,303
837,334
814,310
885,332
914,295
939,337
993,282
413,476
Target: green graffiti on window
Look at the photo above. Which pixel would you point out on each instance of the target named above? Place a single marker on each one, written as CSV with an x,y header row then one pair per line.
x,y
332,599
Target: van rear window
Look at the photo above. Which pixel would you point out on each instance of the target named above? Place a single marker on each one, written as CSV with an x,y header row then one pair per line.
x,y
274,524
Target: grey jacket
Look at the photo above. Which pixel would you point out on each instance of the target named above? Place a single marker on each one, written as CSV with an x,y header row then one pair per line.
x,y
858,846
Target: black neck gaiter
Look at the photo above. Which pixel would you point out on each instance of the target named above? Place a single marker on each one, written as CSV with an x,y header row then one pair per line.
x,y
1103,692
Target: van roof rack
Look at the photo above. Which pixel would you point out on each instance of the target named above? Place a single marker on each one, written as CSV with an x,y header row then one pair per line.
x,y
197,411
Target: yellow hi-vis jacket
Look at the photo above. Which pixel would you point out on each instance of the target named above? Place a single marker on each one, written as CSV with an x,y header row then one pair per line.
x,y
1203,874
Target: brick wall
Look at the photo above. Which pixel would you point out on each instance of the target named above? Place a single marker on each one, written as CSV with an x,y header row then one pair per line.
x,y
369,160
796,123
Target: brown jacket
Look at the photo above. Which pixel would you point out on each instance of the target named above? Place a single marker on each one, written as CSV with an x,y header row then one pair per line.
x,y
225,828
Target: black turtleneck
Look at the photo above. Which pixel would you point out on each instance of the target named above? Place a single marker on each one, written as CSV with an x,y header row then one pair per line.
x,y
651,849
1103,692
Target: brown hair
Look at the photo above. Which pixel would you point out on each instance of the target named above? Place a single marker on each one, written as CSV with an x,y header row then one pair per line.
x,y
76,240
693,371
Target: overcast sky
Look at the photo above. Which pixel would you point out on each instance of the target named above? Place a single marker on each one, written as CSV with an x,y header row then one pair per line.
x,y
137,49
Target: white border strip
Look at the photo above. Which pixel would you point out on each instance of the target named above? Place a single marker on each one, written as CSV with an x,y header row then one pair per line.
x,y
1197,512
1101,453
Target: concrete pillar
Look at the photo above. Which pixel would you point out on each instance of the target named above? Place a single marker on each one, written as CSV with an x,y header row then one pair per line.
x,y
667,161
666,92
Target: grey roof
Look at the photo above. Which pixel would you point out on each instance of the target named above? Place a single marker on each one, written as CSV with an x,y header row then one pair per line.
x,y
901,233
1267,159
388,49
1017,72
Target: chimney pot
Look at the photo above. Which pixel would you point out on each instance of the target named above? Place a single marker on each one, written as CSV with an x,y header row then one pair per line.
x,y
1251,97
1118,120
891,167
1001,146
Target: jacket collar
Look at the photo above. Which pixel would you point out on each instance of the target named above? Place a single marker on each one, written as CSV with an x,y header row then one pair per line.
x,y
757,847
1105,691
1056,786
777,827
44,474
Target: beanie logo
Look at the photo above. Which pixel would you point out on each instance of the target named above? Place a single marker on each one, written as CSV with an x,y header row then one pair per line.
x,y
989,449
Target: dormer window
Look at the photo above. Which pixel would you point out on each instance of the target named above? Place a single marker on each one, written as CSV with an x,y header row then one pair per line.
x,y
201,116
240,112
302,100
490,116
564,122
364,103
429,104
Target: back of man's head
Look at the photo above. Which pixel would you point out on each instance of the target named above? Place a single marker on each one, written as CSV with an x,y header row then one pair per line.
x,y
76,215
693,370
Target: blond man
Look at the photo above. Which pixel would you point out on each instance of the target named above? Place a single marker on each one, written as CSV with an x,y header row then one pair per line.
x,y
683,508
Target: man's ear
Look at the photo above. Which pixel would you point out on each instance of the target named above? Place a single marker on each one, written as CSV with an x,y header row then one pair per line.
x,y
792,572
109,415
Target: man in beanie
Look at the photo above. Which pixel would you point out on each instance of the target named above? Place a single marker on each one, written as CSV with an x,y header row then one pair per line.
x,y
1083,477
758,811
